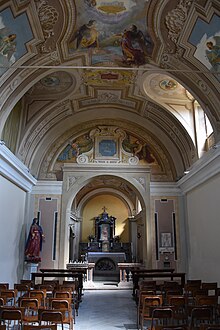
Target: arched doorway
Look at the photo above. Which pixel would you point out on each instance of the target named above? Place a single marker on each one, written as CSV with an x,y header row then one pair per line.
x,y
76,178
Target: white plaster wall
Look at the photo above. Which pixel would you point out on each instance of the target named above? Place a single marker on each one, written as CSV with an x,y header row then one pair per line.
x,y
12,233
203,222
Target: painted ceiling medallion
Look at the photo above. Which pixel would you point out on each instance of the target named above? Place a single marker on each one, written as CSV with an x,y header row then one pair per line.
x,y
50,81
168,84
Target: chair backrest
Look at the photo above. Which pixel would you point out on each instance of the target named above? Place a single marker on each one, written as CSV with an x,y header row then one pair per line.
x,y
209,285
10,295
62,294
38,294
196,282
13,315
177,300
161,316
206,300
22,289
145,284
51,316
4,286
31,303
200,315
28,282
71,288
61,304
149,302
64,306
48,287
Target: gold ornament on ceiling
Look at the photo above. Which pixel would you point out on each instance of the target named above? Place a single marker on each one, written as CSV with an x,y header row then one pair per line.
x,y
119,78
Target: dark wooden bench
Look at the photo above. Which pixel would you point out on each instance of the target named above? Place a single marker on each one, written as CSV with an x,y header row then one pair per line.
x,y
60,273
162,274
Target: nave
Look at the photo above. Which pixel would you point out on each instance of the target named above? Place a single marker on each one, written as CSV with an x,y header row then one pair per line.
x,y
107,309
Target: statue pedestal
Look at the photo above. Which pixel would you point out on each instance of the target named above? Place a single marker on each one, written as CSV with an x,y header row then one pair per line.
x,y
30,267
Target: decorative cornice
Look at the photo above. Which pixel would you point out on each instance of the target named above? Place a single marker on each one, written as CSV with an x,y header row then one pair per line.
x,y
165,189
14,170
48,187
203,170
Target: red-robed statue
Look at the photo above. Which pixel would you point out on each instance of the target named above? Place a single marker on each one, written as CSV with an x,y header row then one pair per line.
x,y
34,242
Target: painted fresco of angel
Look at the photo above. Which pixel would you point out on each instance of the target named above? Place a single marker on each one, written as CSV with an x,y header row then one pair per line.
x,y
91,3
138,148
82,144
213,53
7,44
86,36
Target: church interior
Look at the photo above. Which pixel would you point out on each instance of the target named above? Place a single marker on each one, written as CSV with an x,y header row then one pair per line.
x,y
110,136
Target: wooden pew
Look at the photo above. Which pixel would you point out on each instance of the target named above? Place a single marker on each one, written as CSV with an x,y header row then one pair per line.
x,y
160,273
60,273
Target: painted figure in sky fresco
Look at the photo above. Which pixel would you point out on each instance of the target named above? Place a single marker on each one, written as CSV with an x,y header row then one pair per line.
x,y
86,36
137,148
213,53
91,3
135,46
77,147
7,45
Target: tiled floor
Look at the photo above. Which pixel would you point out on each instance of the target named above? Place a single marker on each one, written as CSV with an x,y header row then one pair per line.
x,y
107,309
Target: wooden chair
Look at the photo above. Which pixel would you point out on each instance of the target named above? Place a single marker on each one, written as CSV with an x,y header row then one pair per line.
x,y
49,316
161,316
149,285
211,287
11,317
190,290
22,289
179,307
48,287
200,315
10,296
196,282
31,306
54,283
144,312
64,306
63,292
27,282
142,296
40,295
4,286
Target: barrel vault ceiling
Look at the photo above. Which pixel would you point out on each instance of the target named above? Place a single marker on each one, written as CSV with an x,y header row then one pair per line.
x,y
70,67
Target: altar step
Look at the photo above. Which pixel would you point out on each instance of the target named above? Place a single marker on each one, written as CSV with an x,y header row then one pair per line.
x,y
107,285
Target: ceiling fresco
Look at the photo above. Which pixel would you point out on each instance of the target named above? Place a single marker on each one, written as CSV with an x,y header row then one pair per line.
x,y
14,34
108,30
107,143
142,66
206,38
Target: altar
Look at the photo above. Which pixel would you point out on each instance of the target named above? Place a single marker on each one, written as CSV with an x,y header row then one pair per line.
x,y
106,264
